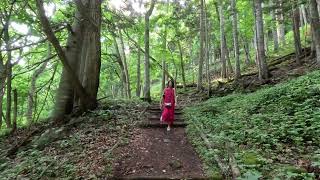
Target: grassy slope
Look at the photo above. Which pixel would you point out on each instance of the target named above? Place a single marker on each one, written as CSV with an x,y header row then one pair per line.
x,y
274,132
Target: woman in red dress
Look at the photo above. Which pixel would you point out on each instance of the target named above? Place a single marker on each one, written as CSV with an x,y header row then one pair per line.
x,y
167,104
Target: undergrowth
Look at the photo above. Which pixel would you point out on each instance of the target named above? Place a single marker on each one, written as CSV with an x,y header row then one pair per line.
x,y
273,132
85,152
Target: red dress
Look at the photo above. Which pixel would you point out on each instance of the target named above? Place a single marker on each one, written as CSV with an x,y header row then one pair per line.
x,y
168,111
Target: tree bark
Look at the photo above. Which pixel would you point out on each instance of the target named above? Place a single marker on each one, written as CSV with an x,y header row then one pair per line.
x,y
280,26
146,91
15,110
296,31
31,94
9,74
263,68
223,42
315,23
236,38
138,90
125,66
89,71
274,27
182,65
123,78
202,38
69,82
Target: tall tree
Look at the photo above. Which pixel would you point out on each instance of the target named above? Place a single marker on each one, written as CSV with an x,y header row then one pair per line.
x,y
202,36
280,23
83,44
9,73
315,23
125,66
296,30
274,27
146,91
235,37
223,41
262,65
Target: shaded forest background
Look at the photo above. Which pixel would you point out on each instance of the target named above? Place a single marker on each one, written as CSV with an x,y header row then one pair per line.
x,y
61,57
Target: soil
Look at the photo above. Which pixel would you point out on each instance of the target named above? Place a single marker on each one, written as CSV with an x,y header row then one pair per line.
x,y
153,152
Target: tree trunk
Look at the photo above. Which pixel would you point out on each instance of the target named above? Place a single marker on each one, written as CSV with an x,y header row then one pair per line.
x,y
31,94
236,38
89,73
9,74
182,66
146,91
15,110
164,48
247,52
125,66
263,68
296,31
138,90
69,82
315,23
274,28
123,78
202,36
223,42
281,26
304,14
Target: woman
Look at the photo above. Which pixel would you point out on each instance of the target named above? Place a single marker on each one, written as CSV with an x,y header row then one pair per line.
x,y
167,104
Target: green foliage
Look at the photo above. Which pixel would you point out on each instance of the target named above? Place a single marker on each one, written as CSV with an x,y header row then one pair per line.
x,y
280,120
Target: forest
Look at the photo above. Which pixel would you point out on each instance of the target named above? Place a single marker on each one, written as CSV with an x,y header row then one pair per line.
x,y
81,81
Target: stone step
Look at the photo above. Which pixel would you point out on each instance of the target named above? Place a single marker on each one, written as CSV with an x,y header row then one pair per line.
x,y
158,119
159,112
157,124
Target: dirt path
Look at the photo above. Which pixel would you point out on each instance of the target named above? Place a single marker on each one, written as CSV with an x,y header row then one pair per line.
x,y
154,153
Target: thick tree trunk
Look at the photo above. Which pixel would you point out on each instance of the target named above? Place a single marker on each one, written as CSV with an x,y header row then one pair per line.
x,y
202,36
89,72
236,38
125,66
315,23
230,68
138,90
146,91
223,42
69,82
182,66
262,65
31,94
296,31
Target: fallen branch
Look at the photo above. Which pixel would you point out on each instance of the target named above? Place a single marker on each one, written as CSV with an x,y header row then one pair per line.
x,y
221,165
12,151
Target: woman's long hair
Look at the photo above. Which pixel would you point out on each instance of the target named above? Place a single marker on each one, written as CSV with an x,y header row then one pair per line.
x,y
170,80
